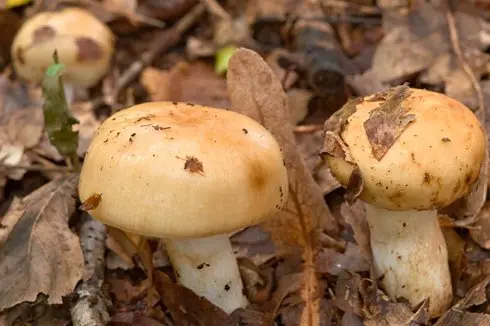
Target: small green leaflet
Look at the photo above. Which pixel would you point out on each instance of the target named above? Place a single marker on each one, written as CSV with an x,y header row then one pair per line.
x,y
58,120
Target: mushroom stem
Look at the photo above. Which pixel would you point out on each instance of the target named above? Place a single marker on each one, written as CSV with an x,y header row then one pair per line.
x,y
69,93
410,256
208,267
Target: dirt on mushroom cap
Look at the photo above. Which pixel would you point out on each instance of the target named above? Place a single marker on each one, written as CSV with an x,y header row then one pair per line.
x,y
434,161
178,170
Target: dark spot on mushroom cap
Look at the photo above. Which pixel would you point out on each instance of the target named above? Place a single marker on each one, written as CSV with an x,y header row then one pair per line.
x,y
446,140
88,49
427,178
193,165
202,265
43,34
257,175
245,131
227,287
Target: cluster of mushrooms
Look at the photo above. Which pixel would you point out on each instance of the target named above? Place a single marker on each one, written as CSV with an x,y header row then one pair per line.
x,y
190,175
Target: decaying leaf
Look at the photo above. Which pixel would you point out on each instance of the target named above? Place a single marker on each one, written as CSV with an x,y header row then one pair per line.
x,y
255,91
41,254
21,126
309,145
187,82
361,297
387,122
457,317
354,186
333,127
414,41
187,308
481,232
332,262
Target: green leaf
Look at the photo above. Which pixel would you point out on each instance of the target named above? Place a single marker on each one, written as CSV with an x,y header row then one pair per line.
x,y
222,58
58,120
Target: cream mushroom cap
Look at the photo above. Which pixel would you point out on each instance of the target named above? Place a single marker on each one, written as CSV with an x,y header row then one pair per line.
x,y
176,170
84,44
435,160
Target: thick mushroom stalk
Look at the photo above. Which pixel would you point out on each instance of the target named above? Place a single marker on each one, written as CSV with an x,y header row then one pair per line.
x,y
209,268
410,256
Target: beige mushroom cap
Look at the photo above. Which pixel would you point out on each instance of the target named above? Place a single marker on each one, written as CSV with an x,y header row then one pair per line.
x,y
435,161
84,44
175,170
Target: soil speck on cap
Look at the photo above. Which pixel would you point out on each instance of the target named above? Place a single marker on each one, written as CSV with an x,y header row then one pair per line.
x,y
193,165
202,265
88,49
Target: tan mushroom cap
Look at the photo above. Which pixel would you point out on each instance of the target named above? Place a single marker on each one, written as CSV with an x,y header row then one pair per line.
x,y
175,170
435,161
84,44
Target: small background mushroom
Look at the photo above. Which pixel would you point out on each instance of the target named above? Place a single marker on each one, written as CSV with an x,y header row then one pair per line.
x,y
84,45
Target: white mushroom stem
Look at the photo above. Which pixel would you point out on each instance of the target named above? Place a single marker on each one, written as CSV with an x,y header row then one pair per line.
x,y
208,267
410,256
69,93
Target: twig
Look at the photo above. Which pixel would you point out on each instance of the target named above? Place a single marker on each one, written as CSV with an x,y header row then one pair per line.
x,y
307,128
456,45
35,168
162,42
215,8
90,308
347,5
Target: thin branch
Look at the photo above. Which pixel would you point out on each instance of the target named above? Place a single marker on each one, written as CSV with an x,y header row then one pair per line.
x,y
456,45
307,128
162,42
90,308
35,168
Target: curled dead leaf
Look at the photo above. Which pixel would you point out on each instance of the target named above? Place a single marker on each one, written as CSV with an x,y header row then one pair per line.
x,y
255,91
41,253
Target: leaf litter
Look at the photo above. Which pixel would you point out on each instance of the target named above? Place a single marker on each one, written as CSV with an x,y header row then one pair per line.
x,y
311,264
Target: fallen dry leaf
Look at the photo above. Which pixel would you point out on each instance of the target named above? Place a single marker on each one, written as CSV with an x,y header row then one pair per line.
x,y
255,91
457,317
186,82
41,254
330,261
309,145
21,126
187,308
481,232
414,41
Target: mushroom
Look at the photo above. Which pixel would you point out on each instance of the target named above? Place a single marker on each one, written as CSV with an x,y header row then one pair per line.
x,y
83,43
407,153
189,175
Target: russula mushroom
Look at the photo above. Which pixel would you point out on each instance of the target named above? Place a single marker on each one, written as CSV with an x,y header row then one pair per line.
x,y
84,45
189,175
407,153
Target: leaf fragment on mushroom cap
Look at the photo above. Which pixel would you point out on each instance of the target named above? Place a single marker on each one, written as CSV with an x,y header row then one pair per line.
x,y
91,202
387,122
333,144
